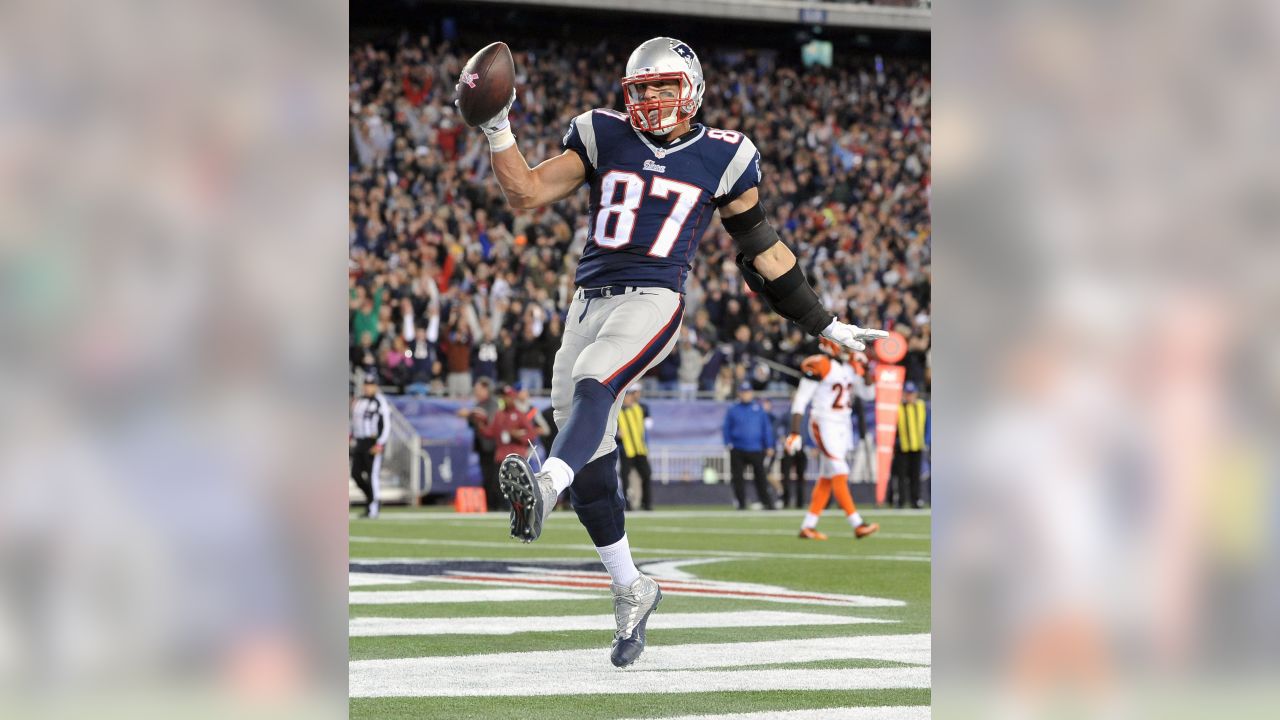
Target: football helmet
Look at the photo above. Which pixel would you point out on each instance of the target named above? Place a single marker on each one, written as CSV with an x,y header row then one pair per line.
x,y
833,349
658,60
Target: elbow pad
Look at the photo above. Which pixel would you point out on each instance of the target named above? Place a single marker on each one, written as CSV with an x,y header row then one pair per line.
x,y
751,232
790,295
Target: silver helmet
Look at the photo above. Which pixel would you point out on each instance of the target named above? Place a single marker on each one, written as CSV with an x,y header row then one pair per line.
x,y
659,60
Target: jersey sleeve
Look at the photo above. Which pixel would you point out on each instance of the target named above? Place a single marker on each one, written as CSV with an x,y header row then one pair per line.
x,y
741,173
581,138
804,396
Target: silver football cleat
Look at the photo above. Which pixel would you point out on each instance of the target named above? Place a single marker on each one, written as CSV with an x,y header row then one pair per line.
x,y
632,607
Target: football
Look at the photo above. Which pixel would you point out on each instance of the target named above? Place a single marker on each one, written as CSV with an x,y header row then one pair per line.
x,y
485,83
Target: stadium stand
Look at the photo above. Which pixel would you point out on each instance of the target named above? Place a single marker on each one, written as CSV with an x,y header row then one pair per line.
x,y
446,280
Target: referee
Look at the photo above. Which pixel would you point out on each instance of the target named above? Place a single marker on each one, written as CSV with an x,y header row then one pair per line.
x,y
370,426
633,422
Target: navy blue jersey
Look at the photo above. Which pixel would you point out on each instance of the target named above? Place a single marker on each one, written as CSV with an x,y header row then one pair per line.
x,y
650,205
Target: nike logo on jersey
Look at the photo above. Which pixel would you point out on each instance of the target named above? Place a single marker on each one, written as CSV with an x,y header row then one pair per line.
x,y
655,167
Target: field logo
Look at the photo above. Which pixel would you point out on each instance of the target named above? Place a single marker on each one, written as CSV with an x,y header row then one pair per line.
x,y
587,576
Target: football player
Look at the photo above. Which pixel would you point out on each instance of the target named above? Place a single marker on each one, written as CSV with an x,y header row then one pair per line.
x,y
656,179
830,383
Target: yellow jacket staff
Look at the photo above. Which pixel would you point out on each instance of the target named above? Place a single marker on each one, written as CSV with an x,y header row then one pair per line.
x,y
911,421
631,430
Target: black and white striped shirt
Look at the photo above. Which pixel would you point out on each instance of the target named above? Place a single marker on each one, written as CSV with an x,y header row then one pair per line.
x,y
371,418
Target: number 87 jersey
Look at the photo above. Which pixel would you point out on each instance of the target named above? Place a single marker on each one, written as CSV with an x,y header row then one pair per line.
x,y
651,204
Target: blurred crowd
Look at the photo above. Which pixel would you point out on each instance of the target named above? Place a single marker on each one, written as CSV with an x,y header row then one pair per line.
x,y
448,284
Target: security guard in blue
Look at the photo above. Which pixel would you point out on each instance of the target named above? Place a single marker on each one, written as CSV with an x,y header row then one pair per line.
x,y
748,432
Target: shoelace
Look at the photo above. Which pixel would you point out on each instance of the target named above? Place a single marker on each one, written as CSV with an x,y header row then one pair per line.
x,y
629,598
533,455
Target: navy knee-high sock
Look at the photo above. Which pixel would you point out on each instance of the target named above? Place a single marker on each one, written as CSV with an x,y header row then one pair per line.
x,y
598,500
580,436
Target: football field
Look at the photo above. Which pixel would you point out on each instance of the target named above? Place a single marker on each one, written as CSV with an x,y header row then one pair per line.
x,y
449,618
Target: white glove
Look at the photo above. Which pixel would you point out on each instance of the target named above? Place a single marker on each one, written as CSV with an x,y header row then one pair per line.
x,y
852,336
498,127
793,444
499,122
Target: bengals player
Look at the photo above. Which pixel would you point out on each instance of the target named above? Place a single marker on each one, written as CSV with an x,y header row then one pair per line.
x,y
827,389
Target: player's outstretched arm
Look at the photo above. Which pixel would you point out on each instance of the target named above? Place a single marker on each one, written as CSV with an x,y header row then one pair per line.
x,y
527,188
770,268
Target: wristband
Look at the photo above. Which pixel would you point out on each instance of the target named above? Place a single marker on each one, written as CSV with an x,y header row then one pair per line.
x,y
500,139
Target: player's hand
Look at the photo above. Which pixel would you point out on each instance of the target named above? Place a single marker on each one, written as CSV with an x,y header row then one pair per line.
x,y
377,449
852,336
498,122
793,444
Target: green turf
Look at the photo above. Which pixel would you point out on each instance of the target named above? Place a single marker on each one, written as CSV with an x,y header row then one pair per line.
x,y
753,547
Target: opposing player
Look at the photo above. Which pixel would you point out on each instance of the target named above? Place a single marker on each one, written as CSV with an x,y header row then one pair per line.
x,y
656,177
830,383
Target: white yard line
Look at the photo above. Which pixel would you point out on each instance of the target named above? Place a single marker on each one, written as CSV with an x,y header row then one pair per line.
x,y
641,550
662,669
410,597
381,627
913,712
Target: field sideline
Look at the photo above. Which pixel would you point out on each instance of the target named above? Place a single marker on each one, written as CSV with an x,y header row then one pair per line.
x,y
451,619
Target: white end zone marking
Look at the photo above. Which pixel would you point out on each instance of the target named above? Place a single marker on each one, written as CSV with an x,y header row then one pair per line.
x,y
404,597
382,627
663,669
359,579
569,579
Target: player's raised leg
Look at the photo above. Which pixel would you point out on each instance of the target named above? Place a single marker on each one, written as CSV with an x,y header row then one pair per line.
x,y
609,341
533,497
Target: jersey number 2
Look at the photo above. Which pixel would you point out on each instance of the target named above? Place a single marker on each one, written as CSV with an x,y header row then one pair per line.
x,y
839,403
625,208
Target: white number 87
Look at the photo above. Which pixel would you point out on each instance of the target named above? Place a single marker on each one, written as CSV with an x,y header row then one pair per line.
x,y
626,207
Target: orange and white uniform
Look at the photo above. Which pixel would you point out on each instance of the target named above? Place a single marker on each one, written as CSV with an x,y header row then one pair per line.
x,y
827,390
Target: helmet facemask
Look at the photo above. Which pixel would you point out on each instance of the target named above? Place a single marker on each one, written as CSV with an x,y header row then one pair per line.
x,y
670,111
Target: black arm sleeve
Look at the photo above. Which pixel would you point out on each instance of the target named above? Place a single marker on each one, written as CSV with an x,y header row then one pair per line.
x,y
790,295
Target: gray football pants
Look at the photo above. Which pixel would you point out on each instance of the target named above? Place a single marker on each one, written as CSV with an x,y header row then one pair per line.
x,y
613,340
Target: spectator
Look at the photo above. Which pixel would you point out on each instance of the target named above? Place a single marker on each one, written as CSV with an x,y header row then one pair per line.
x,y
397,365
509,430
479,415
691,362
506,358
486,359
530,350
748,433
457,353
